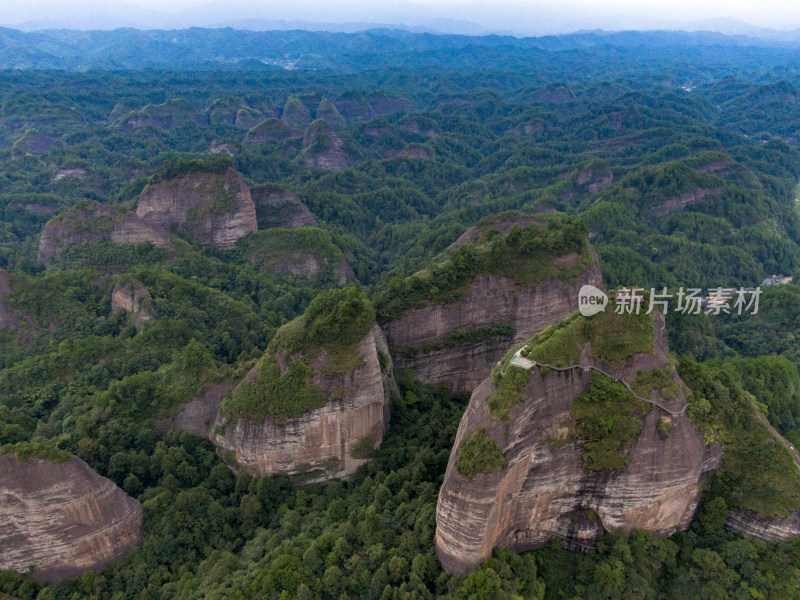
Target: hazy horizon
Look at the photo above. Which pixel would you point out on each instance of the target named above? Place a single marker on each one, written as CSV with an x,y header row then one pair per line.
x,y
445,16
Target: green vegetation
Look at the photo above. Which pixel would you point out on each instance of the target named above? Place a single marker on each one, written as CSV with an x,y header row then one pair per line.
x,y
588,132
605,417
664,427
479,453
614,338
334,323
363,448
528,256
759,473
24,451
660,379
283,397
293,250
180,166
464,336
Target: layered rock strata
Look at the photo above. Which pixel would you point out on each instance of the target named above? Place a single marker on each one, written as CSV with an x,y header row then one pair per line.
x,y
214,208
543,491
62,518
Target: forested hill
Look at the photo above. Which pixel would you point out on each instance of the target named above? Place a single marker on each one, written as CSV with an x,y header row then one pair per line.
x,y
184,216
691,55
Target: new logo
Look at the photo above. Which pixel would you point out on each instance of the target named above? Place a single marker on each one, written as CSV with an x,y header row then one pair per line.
x,y
591,300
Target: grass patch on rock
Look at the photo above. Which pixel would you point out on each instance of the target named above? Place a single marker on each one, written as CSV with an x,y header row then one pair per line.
x,y
479,453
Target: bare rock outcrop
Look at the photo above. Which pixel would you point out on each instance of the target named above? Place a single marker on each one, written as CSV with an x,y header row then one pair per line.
x,y
132,297
771,529
62,518
295,112
544,490
89,222
414,151
35,143
323,148
356,414
327,112
215,208
490,300
278,207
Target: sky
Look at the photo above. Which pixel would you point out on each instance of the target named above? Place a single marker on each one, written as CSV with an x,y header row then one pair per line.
x,y
518,17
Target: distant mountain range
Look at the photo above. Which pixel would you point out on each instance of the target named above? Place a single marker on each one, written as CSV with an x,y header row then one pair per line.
x,y
531,18
232,49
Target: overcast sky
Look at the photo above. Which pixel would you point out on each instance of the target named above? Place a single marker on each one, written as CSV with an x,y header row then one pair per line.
x,y
472,16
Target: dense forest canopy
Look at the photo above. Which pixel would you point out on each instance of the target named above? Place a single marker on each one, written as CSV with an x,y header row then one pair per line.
x,y
675,155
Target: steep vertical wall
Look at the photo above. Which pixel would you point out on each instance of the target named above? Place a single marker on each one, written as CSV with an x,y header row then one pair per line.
x,y
543,490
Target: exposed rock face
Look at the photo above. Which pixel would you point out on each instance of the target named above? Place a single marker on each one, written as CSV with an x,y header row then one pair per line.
x,y
63,518
682,201
771,529
199,414
278,207
323,148
69,174
327,112
35,142
357,408
271,130
543,490
217,147
97,222
595,181
134,299
247,118
295,112
491,299
214,208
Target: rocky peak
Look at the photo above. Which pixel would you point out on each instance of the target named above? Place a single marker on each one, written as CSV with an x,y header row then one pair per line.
x,y
317,403
279,207
295,112
326,111
323,148
451,324
209,201
62,517
169,115
270,130
530,462
34,142
89,222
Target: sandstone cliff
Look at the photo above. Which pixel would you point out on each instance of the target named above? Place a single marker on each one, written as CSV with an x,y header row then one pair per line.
x,y
457,341
278,207
215,208
356,411
323,148
548,482
62,518
317,403
89,222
